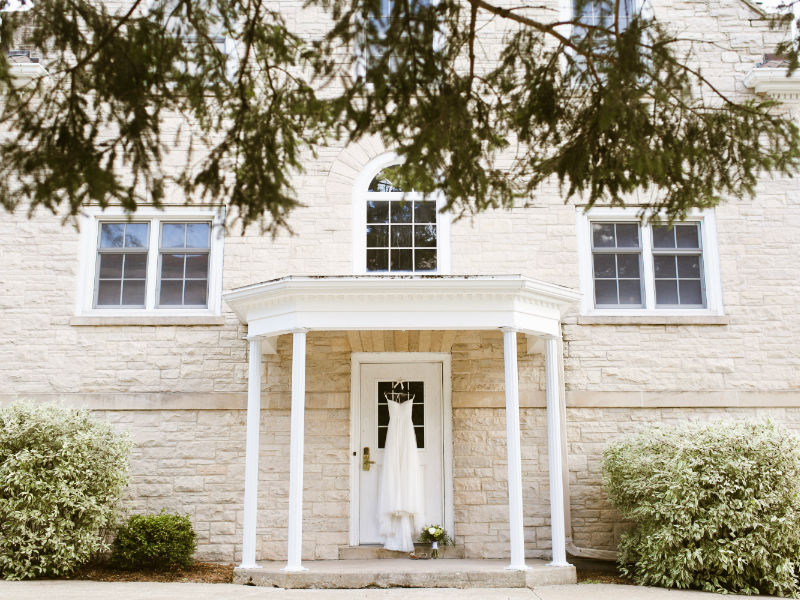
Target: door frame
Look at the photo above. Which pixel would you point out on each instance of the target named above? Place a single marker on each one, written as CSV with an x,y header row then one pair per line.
x,y
361,358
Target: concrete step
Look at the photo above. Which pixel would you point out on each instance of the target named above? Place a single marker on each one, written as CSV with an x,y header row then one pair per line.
x,y
378,552
405,573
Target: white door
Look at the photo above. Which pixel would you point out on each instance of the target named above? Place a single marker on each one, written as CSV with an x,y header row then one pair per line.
x,y
424,381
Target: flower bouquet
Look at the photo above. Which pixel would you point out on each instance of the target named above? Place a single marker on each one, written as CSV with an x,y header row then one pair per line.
x,y
435,535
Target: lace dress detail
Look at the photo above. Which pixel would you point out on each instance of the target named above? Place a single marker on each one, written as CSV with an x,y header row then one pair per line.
x,y
400,502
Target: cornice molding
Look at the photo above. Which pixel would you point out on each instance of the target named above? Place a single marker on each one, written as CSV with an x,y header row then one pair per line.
x,y
774,82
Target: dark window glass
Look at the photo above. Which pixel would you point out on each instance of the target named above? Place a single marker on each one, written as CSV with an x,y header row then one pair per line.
x,y
630,291
627,235
666,291
377,236
424,260
628,265
425,211
401,260
605,265
687,236
197,235
605,291
401,236
172,266
377,260
195,292
108,292
425,236
691,291
377,211
171,293
135,266
133,292
111,266
603,235
401,212
663,237
664,266
196,266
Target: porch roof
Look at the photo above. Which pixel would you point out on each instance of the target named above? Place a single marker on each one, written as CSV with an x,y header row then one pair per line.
x,y
337,303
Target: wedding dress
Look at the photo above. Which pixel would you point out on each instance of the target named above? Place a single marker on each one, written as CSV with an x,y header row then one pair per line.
x,y
400,500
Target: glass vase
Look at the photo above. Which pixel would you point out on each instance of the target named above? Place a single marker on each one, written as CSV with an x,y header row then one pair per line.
x,y
435,549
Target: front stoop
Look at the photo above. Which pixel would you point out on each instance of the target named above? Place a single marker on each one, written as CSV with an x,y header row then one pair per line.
x,y
405,573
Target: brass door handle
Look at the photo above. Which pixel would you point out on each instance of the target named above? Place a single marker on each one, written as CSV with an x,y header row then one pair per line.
x,y
365,461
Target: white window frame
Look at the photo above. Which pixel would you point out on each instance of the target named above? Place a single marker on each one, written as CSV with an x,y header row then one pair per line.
x,y
89,236
360,196
711,272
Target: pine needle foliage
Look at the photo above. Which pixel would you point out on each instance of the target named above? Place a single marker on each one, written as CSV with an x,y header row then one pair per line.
x,y
714,507
607,110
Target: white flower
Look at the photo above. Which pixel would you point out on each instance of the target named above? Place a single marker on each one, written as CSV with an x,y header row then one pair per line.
x,y
432,530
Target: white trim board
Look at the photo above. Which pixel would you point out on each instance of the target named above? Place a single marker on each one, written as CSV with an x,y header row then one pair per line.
x,y
356,360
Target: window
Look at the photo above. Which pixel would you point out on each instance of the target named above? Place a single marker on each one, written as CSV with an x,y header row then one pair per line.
x,y
166,263
636,267
370,46
600,13
397,231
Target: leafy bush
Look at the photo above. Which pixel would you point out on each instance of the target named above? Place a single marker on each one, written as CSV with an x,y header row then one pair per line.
x,y
61,476
156,542
715,507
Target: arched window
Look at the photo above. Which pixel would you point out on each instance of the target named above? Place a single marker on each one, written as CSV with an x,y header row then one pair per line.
x,y
397,231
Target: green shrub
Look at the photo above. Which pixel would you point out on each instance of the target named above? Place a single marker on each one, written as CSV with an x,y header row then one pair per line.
x,y
61,477
715,507
156,542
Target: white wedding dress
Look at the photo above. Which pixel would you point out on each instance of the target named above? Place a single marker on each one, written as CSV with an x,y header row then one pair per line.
x,y
400,501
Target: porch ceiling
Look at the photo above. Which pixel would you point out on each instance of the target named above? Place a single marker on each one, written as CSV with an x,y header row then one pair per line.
x,y
338,303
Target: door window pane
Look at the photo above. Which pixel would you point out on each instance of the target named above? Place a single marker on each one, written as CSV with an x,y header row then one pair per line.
x,y
406,391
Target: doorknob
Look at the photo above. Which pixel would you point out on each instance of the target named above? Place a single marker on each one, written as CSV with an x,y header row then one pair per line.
x,y
365,461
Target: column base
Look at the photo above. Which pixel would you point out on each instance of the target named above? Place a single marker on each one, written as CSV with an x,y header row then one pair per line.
x,y
559,564
522,567
297,569
249,566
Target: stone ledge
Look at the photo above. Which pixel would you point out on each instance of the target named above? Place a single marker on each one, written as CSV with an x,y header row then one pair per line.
x,y
653,320
389,573
179,321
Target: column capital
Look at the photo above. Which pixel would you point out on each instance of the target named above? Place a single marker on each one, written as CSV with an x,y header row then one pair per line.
x,y
300,330
509,330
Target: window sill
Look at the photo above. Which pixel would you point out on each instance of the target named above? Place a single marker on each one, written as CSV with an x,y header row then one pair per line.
x,y
653,320
147,321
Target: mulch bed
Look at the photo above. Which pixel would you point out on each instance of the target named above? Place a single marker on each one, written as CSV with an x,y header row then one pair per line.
x,y
589,576
199,572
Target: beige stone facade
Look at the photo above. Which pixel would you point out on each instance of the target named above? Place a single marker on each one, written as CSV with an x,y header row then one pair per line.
x,y
179,385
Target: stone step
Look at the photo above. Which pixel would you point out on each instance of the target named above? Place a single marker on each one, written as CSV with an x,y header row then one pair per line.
x,y
378,552
405,573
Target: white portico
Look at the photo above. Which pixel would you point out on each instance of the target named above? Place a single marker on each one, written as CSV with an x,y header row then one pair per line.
x,y
297,305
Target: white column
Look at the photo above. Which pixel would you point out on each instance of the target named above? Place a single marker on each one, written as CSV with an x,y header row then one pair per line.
x,y
251,456
516,535
296,452
554,439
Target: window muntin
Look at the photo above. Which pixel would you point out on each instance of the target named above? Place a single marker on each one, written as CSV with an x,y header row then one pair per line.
x,y
401,229
183,264
678,266
121,271
616,264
